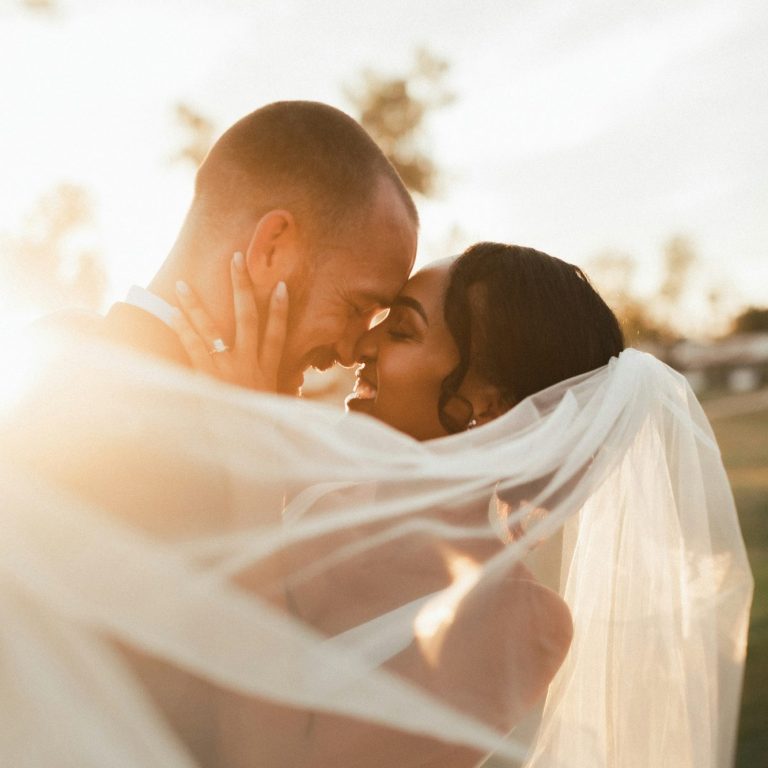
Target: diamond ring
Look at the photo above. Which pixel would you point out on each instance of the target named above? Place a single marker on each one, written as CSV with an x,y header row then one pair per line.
x,y
217,347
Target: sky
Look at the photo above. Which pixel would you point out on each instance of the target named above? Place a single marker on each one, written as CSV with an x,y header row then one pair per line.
x,y
577,127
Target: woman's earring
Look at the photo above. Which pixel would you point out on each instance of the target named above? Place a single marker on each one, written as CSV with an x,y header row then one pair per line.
x,y
472,423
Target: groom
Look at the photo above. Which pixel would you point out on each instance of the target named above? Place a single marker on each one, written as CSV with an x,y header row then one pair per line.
x,y
302,191
305,194
308,198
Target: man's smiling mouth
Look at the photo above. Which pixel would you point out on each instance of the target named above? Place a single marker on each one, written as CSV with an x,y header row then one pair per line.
x,y
364,393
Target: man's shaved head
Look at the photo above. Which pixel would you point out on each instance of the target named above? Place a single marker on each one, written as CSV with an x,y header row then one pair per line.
x,y
306,157
310,200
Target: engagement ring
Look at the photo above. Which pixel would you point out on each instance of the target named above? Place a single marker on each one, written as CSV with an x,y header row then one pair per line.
x,y
218,346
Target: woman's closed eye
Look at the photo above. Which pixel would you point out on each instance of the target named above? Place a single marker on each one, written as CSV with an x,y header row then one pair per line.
x,y
398,330
396,335
399,326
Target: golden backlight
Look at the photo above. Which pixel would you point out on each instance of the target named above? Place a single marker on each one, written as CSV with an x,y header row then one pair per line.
x,y
23,355
437,615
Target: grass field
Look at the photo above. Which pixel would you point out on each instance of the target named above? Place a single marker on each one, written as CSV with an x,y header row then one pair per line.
x,y
744,444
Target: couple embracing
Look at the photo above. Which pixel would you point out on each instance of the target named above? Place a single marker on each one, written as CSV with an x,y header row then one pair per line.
x,y
519,529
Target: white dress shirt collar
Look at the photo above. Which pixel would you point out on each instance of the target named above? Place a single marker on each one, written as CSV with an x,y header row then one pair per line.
x,y
149,302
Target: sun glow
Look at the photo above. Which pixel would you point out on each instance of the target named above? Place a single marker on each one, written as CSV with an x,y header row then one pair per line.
x,y
23,354
436,617
564,93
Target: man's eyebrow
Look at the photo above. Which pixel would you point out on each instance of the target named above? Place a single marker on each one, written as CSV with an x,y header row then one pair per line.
x,y
407,301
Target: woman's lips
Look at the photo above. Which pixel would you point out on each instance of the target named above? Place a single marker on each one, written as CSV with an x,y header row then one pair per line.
x,y
364,390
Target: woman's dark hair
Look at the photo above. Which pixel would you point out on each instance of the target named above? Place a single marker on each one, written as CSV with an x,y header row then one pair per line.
x,y
522,321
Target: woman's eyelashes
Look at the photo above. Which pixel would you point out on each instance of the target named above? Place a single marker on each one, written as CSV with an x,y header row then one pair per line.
x,y
400,327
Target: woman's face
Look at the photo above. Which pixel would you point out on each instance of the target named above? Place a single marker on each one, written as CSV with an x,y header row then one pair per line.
x,y
406,357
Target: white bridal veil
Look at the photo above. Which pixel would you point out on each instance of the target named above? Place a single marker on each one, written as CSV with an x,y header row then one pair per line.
x,y
192,574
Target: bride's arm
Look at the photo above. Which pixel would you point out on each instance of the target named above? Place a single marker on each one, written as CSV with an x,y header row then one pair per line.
x,y
493,661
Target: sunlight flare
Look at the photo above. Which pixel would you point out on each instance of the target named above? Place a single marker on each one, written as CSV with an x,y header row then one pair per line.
x,y
436,617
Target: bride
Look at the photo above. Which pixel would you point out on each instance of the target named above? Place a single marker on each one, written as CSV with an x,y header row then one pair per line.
x,y
571,537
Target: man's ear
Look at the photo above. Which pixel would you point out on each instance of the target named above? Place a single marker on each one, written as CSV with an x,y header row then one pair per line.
x,y
273,253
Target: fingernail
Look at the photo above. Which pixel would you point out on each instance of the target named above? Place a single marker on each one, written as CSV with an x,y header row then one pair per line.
x,y
182,288
239,261
281,291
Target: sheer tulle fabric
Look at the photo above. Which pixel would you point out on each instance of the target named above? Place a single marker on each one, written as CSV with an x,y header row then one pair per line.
x,y
197,575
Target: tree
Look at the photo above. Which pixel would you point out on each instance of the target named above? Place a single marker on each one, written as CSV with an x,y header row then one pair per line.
x,y
613,274
679,260
51,264
659,316
394,111
751,320
200,131
39,6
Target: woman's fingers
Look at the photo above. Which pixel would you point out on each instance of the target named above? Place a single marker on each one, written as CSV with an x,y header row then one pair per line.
x,y
275,332
252,361
194,345
200,337
246,312
195,313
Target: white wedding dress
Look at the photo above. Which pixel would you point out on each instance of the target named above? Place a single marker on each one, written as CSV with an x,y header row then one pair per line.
x,y
234,538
